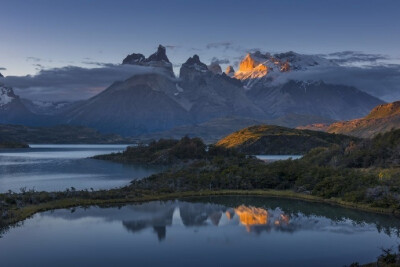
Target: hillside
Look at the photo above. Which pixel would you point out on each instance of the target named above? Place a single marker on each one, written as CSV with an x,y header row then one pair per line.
x,y
61,134
167,151
381,151
269,139
6,145
213,130
381,119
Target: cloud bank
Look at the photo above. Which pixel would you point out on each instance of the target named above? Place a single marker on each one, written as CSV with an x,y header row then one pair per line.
x,y
382,81
72,83
368,72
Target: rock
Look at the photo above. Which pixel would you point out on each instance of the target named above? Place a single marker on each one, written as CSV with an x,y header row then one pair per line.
x,y
192,67
134,59
230,71
215,68
160,55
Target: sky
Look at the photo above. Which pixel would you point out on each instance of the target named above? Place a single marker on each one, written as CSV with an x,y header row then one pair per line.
x,y
40,35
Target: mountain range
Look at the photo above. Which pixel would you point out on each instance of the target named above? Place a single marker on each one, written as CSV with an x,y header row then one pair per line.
x,y
156,102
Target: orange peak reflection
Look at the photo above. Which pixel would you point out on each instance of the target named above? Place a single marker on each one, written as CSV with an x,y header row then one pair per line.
x,y
249,216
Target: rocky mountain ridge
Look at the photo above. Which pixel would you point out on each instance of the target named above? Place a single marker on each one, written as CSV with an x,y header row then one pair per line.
x,y
155,101
381,119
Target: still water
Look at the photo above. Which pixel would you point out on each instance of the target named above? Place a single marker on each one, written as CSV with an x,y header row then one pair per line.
x,y
57,167
217,231
277,157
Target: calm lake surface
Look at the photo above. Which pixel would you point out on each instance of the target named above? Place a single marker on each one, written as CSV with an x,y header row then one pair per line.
x,y
57,167
277,157
216,231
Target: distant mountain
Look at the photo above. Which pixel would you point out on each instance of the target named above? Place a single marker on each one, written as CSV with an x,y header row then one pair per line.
x,y
1,75
12,110
46,107
382,118
158,59
263,68
210,131
213,130
59,134
317,98
269,139
135,106
156,103
207,95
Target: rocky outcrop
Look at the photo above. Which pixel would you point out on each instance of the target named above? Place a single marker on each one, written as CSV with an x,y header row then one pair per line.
x,y
381,119
134,59
157,59
230,71
215,68
160,55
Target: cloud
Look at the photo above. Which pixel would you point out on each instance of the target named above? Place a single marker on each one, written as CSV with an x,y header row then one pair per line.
x,y
2,68
354,57
99,64
71,82
220,61
382,81
224,45
33,59
172,47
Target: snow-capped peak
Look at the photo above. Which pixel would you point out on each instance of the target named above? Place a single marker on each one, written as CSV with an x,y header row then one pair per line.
x,y
6,95
258,65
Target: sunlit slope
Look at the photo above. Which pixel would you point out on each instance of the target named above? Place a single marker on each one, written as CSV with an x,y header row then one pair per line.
x,y
270,139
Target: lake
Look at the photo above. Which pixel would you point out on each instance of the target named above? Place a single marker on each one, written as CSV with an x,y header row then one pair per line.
x,y
277,157
211,231
57,167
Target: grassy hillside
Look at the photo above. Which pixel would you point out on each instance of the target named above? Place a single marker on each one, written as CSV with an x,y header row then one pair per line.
x,y
270,139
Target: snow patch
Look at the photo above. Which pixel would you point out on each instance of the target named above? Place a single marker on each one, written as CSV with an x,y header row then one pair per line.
x,y
6,95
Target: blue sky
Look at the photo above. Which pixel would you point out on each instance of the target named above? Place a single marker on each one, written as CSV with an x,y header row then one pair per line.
x,y
37,34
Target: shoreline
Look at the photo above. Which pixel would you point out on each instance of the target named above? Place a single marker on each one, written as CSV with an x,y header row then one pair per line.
x,y
21,214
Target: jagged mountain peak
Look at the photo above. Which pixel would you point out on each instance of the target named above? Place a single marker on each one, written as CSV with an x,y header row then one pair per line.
x,y
258,65
137,58
159,55
230,71
192,67
134,59
195,62
215,68
1,75
158,59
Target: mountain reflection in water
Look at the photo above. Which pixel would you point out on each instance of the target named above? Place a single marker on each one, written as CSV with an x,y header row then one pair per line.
x,y
159,215
201,231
